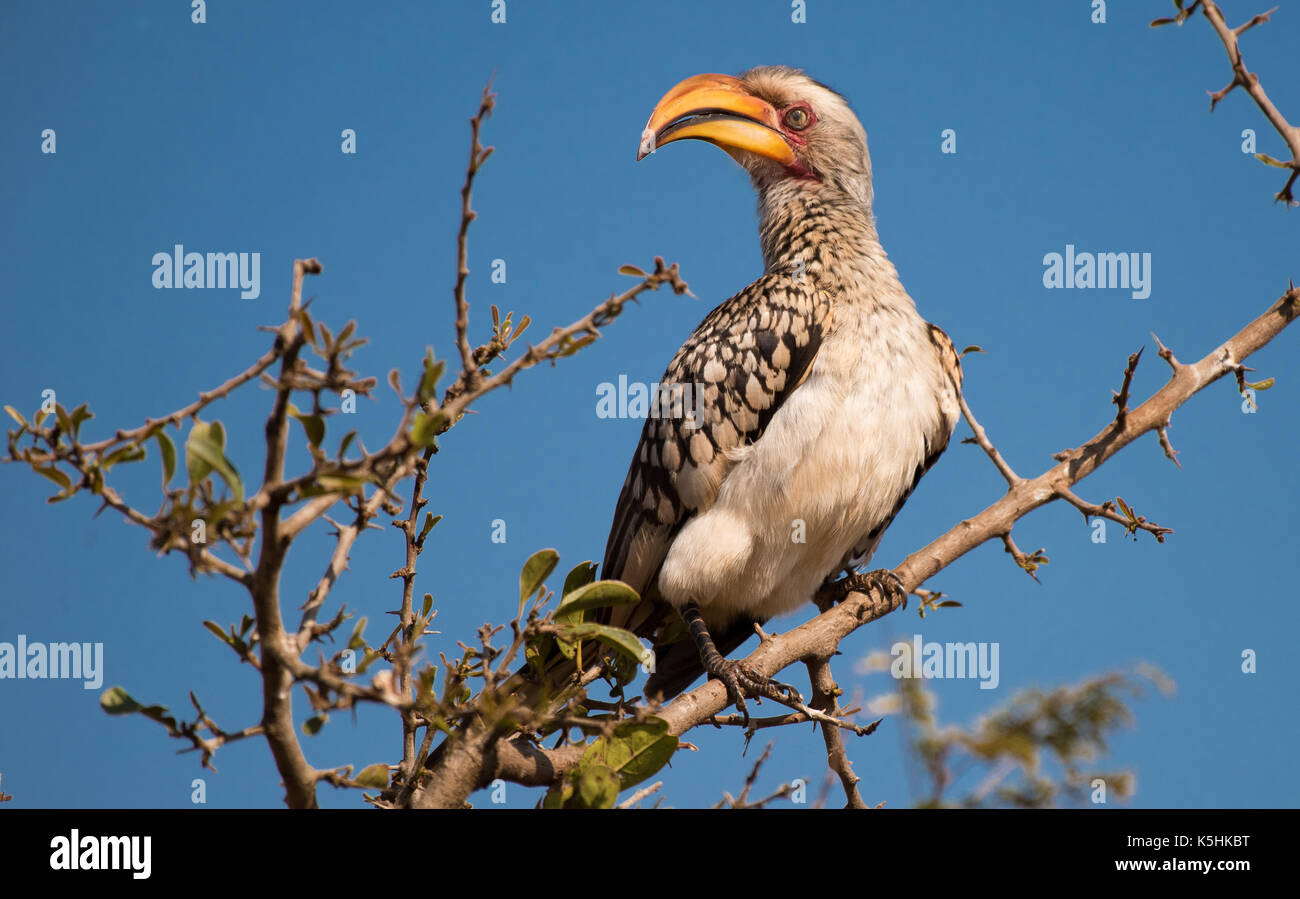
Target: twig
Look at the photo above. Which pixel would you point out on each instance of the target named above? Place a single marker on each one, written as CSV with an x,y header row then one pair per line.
x,y
644,792
1170,453
559,342
1121,397
1029,562
406,643
1249,81
279,651
742,801
477,156
205,399
982,439
1107,510
826,697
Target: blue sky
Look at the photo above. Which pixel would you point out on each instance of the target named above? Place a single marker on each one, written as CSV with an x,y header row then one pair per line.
x,y
225,136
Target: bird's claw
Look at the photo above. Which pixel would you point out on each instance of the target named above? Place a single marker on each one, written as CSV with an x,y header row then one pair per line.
x,y
882,581
740,679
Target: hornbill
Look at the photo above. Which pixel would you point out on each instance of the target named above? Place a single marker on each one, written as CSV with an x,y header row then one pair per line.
x,y
819,396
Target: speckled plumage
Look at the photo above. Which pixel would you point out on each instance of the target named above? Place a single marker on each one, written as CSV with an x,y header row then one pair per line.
x,y
822,398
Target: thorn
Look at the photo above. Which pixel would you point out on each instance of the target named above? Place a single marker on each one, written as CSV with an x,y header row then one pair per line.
x,y
1166,353
1170,453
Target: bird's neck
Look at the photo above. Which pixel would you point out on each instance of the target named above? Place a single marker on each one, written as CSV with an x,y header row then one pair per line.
x,y
808,230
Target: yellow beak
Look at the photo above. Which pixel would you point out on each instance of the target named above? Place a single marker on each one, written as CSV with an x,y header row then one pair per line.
x,y
718,109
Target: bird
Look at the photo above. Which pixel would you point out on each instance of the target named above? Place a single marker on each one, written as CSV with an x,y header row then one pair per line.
x,y
816,398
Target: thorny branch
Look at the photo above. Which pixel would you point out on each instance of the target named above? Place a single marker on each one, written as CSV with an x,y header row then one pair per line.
x,y
277,658
742,801
1248,81
494,741
477,156
821,635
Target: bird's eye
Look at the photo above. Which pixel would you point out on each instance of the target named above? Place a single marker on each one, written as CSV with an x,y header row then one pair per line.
x,y
797,118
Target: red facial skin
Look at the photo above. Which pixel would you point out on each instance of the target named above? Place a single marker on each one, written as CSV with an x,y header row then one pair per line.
x,y
798,142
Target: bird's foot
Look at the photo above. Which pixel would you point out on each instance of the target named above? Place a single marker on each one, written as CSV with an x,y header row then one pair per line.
x,y
741,680
882,582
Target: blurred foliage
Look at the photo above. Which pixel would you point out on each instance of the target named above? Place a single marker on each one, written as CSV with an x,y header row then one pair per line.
x,y
1039,750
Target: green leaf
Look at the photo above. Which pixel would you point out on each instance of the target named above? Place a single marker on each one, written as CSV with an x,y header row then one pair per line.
x,y
581,575
614,637
79,415
428,677
128,453
636,751
429,521
167,450
433,369
55,475
117,701
311,727
426,427
312,425
567,648
595,596
205,453
596,786
1262,385
570,347
556,796
428,604
346,442
624,669
356,641
219,633
308,327
341,483
218,513
1269,160
535,571
375,776
971,349
632,270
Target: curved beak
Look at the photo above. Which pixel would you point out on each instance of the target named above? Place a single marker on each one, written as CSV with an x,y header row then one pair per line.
x,y
720,110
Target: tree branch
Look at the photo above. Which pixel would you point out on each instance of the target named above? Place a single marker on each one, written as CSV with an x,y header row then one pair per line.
x,y
820,636
477,156
1249,81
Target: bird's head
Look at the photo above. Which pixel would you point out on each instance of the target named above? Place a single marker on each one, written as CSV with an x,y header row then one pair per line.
x,y
778,123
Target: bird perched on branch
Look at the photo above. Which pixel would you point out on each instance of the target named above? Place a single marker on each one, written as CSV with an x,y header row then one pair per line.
x,y
819,395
